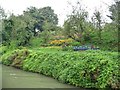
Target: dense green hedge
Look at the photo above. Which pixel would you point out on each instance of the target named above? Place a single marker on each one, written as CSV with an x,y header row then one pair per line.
x,y
88,69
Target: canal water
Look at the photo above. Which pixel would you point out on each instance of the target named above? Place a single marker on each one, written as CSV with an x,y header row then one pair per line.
x,y
16,78
0,76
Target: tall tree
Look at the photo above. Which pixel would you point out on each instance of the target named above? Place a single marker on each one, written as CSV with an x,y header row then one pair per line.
x,y
75,24
2,17
37,17
21,31
114,8
115,17
22,27
7,31
49,15
97,17
2,13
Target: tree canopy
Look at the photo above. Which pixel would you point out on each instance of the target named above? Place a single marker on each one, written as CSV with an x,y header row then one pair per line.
x,y
22,27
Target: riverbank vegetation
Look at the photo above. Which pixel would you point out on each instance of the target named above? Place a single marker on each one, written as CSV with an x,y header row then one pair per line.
x,y
35,42
88,69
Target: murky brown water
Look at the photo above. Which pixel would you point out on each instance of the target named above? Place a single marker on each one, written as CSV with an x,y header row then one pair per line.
x,y
15,78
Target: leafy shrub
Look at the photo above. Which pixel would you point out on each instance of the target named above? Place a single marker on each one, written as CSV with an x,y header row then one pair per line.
x,y
3,49
36,42
88,69
75,43
67,48
15,58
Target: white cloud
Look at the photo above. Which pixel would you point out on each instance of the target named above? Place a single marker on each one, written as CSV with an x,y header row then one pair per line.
x,y
59,6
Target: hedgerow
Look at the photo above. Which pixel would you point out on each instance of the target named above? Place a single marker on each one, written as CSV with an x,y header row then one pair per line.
x,y
88,69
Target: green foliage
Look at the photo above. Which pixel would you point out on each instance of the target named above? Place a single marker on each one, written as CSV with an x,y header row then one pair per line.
x,y
109,38
75,43
49,15
114,9
88,69
97,18
3,49
22,27
42,22
67,48
7,31
36,42
15,58
97,32
39,16
75,24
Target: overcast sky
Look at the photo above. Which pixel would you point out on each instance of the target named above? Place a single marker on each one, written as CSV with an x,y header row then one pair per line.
x,y
60,7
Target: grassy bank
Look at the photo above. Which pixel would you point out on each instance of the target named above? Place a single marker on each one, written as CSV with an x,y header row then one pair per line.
x,y
88,69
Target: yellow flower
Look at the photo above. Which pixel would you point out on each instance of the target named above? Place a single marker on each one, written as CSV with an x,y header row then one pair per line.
x,y
60,42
